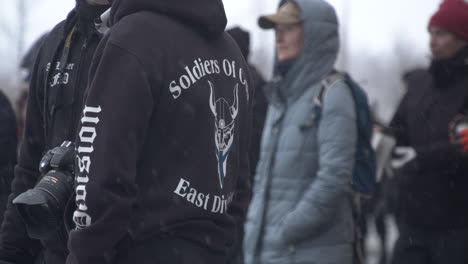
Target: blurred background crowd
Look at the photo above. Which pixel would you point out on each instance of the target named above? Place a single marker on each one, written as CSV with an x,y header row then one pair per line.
x,y
381,41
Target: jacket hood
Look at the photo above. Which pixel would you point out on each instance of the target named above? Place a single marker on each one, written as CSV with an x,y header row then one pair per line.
x,y
206,16
320,50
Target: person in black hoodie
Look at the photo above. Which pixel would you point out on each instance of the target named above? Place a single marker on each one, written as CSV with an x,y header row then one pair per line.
x,y
432,178
59,78
8,143
163,168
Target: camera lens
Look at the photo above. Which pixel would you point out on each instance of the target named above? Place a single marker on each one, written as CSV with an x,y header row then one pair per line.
x,y
42,207
40,214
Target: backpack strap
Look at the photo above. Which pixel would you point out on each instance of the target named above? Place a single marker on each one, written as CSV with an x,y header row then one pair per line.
x,y
326,83
317,101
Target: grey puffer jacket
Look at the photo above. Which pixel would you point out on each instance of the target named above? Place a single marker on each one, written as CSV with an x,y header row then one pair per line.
x,y
301,208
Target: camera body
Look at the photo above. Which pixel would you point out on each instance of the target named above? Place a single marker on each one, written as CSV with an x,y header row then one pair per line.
x,y
42,207
460,125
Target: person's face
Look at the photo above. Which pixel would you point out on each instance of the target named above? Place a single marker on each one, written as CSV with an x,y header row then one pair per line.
x,y
444,44
289,41
98,2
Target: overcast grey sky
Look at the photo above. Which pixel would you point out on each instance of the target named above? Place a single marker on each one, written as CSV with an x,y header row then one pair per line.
x,y
373,25
379,37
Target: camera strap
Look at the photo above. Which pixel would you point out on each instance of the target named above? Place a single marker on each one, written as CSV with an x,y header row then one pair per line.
x,y
53,92
56,93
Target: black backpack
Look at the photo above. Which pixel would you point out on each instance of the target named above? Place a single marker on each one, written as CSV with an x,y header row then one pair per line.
x,y
364,176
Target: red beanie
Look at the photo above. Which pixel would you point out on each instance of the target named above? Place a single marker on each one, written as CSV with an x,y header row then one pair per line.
x,y
453,17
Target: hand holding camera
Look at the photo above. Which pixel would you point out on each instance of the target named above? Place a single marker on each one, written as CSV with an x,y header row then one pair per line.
x,y
42,207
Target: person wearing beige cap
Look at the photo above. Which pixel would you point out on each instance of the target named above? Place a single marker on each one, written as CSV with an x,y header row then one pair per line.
x,y
287,23
301,209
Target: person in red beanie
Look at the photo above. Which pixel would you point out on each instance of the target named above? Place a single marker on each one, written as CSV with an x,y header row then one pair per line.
x,y
449,29
431,126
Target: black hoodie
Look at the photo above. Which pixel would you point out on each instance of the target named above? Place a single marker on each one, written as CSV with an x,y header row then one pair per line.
x,y
54,106
164,136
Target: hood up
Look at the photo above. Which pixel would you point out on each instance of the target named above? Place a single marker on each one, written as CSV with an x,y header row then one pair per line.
x,y
319,54
205,16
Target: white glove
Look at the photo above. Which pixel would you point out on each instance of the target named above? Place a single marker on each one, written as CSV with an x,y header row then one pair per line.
x,y
405,155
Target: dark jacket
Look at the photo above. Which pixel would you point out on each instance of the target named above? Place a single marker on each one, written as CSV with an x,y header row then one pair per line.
x,y
260,103
162,148
433,186
259,109
8,142
27,62
55,102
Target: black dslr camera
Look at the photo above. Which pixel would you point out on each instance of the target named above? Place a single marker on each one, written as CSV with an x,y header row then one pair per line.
x,y
42,208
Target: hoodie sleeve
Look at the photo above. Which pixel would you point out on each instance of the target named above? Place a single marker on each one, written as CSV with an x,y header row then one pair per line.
x,y
440,155
337,136
15,244
110,137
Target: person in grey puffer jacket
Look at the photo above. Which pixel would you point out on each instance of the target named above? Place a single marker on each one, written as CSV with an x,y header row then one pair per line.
x,y
301,210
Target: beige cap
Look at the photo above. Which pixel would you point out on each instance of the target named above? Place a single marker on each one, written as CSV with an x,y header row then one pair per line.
x,y
287,14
